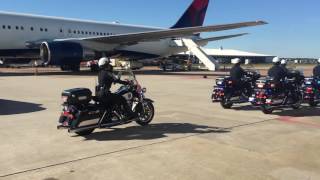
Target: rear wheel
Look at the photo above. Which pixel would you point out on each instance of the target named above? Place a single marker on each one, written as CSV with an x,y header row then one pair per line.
x,y
85,132
296,106
145,114
226,103
214,98
312,103
298,103
266,109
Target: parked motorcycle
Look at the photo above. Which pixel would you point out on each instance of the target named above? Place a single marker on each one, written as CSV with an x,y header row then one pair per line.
x,y
270,95
311,91
230,93
82,113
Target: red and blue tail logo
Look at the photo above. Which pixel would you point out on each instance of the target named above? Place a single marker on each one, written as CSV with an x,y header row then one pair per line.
x,y
194,16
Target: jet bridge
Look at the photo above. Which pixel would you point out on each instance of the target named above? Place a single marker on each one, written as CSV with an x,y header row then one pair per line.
x,y
194,48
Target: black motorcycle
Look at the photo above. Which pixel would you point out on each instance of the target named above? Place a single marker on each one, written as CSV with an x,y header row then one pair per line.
x,y
311,91
270,95
231,93
82,113
218,89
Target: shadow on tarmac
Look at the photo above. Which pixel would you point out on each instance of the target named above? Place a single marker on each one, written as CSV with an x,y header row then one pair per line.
x,y
153,131
246,108
8,107
304,111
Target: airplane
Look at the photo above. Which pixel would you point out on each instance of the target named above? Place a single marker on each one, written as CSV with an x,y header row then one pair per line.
x,y
67,42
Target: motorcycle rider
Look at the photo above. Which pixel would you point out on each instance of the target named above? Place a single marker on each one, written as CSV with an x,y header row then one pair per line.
x,y
278,74
283,64
237,74
105,78
316,70
276,71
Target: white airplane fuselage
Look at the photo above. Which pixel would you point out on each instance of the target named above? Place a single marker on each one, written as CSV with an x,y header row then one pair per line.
x,y
19,30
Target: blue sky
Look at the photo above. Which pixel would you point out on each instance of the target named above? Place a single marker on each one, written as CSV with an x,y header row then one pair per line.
x,y
293,30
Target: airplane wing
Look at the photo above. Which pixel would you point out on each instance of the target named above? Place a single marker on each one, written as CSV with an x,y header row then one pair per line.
x,y
132,38
206,40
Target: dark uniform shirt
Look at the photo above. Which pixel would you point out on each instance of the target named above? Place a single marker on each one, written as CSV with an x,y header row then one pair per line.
x,y
237,73
106,78
277,72
316,71
284,67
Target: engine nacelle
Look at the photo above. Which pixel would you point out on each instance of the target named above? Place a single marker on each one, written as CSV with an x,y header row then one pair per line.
x,y
64,53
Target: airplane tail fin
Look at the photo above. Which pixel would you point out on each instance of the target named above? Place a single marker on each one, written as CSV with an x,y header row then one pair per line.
x,y
194,15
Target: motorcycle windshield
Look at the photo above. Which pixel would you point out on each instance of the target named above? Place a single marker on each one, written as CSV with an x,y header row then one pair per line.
x,y
127,75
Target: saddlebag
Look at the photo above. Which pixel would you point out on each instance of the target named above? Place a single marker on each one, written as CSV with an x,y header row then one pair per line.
x,y
77,96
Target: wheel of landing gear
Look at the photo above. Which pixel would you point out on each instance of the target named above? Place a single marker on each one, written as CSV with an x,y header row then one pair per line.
x,y
75,68
63,68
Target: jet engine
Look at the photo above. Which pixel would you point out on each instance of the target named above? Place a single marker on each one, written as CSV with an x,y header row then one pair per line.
x,y
64,53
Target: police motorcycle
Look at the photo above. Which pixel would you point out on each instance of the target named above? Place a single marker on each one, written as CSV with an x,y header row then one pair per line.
x,y
82,113
218,88
311,91
270,95
229,93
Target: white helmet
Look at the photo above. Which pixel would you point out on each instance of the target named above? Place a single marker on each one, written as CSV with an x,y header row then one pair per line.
x,y
319,60
283,61
276,60
103,61
235,60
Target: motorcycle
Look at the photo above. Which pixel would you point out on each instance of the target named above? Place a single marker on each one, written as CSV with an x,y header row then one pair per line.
x,y
230,93
311,91
218,89
270,95
82,113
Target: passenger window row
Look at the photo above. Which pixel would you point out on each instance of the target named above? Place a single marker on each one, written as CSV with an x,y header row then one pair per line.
x,y
87,32
21,28
61,30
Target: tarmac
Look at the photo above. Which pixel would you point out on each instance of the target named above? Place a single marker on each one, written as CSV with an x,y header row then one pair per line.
x,y
190,138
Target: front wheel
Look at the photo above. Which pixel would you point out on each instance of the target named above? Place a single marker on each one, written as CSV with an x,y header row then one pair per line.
x,y
145,113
